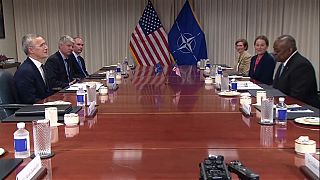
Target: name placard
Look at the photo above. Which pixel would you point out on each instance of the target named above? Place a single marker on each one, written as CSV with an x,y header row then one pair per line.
x,y
30,170
312,164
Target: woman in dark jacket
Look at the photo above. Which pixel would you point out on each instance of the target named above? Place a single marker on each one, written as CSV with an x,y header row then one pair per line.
x,y
262,64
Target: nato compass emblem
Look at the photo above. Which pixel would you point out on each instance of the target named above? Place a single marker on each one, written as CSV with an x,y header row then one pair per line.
x,y
186,43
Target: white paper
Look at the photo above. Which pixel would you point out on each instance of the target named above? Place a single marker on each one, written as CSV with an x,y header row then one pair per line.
x,y
76,86
246,85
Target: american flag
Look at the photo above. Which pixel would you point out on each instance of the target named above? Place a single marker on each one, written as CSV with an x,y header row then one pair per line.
x,y
149,41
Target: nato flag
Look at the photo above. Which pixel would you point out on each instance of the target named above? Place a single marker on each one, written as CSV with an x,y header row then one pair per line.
x,y
186,39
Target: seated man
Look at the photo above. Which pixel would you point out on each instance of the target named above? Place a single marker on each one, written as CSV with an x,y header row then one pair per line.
x,y
80,70
295,76
60,71
30,78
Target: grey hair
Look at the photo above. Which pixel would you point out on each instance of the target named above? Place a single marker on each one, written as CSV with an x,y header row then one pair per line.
x,y
64,39
27,40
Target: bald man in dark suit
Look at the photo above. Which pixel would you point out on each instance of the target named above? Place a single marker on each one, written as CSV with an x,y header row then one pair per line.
x,y
295,76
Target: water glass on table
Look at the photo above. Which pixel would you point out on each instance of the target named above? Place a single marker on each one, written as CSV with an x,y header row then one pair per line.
x,y
225,83
41,138
267,110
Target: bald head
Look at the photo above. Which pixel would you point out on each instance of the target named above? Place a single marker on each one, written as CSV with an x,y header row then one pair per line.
x,y
283,47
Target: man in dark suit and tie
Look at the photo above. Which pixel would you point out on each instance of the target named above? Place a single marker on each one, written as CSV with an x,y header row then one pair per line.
x,y
60,71
295,76
79,65
30,78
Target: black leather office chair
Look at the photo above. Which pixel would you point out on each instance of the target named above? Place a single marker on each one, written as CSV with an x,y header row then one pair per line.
x,y
8,96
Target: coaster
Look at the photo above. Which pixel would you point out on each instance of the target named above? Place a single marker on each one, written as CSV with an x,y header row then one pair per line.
x,y
43,157
265,124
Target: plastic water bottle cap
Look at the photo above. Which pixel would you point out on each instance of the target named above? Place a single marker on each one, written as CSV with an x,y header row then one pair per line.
x,y
281,99
21,125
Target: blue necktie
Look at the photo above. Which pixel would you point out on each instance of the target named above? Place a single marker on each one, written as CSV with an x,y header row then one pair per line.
x,y
281,70
79,62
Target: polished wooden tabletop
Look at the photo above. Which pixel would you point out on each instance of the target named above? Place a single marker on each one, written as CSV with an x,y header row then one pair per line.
x,y
161,126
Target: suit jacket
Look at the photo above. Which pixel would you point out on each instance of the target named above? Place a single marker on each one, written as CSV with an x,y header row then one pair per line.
x,y
56,71
77,69
29,83
243,63
298,80
264,70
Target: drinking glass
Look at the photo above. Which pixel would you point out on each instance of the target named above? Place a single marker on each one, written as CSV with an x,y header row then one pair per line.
x,y
41,137
267,110
91,94
225,83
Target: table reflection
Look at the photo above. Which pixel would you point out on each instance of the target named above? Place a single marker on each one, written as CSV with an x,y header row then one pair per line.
x,y
266,136
280,135
54,134
71,131
46,163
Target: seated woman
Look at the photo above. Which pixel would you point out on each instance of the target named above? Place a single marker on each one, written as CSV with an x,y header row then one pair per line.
x,y
262,64
243,60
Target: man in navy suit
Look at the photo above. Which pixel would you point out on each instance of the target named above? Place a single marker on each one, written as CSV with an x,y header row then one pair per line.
x,y
59,69
80,70
30,78
295,76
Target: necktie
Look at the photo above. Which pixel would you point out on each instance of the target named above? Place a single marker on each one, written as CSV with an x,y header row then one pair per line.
x,y
281,70
79,62
67,68
43,74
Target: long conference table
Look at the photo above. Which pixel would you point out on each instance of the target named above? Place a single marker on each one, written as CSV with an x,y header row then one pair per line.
x,y
161,126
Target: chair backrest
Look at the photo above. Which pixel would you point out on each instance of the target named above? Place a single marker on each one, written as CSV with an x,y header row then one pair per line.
x,y
8,93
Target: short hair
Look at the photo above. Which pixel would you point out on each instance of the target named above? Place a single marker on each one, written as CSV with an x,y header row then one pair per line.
x,y
27,40
245,43
263,37
288,40
65,38
77,37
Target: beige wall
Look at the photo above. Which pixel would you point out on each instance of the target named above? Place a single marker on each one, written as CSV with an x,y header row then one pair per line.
x,y
8,45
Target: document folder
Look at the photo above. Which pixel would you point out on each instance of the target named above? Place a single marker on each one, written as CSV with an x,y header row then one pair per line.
x,y
39,110
7,166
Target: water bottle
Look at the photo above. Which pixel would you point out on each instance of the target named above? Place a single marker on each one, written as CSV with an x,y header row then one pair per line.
x,y
281,112
218,76
207,68
111,80
21,141
118,70
234,85
126,61
81,100
124,66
